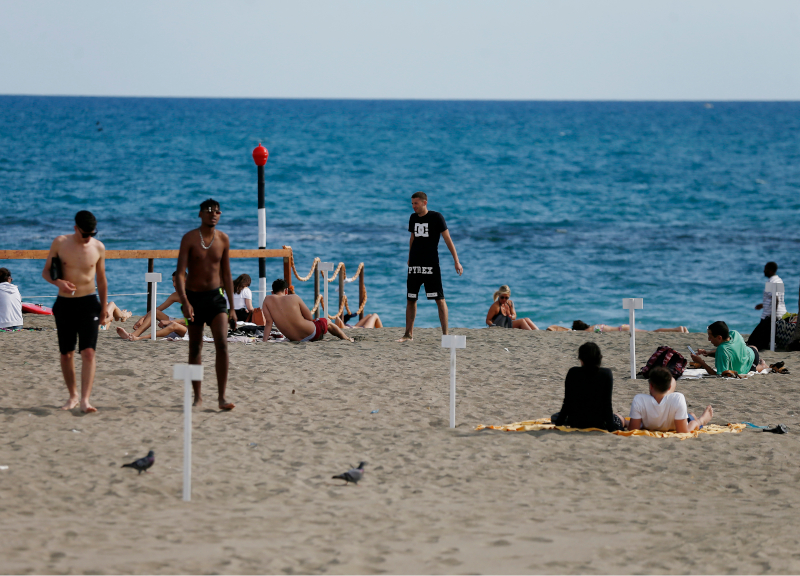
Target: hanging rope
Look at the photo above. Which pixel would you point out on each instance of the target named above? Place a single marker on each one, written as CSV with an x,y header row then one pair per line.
x,y
294,269
356,275
316,304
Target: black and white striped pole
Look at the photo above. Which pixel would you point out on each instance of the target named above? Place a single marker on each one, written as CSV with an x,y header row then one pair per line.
x,y
260,155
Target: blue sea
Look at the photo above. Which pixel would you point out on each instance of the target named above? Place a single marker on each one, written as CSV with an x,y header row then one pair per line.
x,y
575,205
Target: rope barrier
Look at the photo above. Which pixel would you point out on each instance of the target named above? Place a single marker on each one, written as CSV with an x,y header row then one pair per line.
x,y
310,273
336,272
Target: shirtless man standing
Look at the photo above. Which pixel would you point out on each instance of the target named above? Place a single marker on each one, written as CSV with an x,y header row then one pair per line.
x,y
293,318
77,310
208,260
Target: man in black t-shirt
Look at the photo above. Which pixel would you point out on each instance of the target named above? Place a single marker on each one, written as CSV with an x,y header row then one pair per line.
x,y
423,260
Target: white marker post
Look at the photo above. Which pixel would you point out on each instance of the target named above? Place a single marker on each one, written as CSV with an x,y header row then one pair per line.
x,y
453,342
774,288
187,373
154,278
325,267
632,304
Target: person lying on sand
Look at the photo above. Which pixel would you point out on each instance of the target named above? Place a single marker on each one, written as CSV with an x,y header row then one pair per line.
x,y
170,328
587,394
579,326
663,409
502,312
368,321
113,312
731,352
293,318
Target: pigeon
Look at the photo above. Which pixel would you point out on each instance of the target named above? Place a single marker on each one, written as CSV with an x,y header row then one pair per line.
x,y
142,464
353,475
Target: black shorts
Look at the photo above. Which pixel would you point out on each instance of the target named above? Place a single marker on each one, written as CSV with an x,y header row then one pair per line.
x,y
430,276
206,306
756,360
77,318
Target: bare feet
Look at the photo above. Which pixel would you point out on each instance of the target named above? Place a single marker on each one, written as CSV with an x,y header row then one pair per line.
x,y
406,338
125,315
87,408
71,403
708,413
226,405
197,402
122,333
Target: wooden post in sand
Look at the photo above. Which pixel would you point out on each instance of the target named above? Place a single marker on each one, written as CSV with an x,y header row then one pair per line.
x,y
315,271
774,288
187,373
153,278
632,304
342,276
453,342
325,267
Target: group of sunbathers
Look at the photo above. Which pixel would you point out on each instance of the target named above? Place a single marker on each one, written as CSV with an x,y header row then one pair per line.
x,y
588,388
587,400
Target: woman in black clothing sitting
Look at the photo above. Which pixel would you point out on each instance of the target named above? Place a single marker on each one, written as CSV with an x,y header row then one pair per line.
x,y
587,394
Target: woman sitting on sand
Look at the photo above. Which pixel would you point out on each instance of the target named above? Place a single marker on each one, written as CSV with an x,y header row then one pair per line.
x,y
579,326
587,394
242,298
502,313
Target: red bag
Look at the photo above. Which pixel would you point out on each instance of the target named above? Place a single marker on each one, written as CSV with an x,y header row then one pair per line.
x,y
668,358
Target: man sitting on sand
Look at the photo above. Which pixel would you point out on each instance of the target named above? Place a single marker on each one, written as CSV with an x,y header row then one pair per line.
x,y
293,318
664,409
731,355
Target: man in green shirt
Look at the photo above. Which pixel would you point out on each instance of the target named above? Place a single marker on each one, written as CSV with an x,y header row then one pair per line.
x,y
731,354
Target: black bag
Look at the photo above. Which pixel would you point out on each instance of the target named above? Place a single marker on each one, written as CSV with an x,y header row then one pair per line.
x,y
56,273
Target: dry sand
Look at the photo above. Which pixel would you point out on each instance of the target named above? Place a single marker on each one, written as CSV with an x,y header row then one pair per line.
x,y
434,500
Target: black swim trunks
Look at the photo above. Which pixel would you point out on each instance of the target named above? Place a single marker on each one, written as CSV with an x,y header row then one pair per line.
x,y
430,276
77,318
206,305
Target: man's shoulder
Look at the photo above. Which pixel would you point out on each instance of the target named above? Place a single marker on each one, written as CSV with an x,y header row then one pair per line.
x,y
99,246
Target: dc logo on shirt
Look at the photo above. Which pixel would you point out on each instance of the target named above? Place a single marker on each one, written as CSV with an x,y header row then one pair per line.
x,y
421,230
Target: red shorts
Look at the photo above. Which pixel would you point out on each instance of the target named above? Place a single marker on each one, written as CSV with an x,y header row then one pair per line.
x,y
320,327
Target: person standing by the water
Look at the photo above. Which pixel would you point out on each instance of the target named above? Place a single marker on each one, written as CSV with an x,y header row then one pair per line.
x,y
78,311
205,252
423,260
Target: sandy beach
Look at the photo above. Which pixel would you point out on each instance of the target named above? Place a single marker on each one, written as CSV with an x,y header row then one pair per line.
x,y
433,500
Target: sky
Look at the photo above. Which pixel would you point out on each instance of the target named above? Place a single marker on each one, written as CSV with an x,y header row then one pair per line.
x,y
408,49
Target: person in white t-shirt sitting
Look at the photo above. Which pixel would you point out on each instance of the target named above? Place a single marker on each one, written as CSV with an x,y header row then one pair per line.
x,y
242,297
10,302
763,332
664,409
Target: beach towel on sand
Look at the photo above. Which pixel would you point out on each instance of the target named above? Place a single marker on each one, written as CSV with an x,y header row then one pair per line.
x,y
545,424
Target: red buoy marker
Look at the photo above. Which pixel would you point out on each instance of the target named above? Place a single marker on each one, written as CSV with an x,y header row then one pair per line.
x,y
260,155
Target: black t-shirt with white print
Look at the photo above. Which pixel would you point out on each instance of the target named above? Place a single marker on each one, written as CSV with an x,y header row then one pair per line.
x,y
427,230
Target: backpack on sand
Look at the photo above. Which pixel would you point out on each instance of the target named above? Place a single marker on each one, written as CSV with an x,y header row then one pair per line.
x,y
668,358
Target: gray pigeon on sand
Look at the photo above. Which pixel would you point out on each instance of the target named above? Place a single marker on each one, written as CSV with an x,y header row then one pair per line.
x,y
353,475
142,464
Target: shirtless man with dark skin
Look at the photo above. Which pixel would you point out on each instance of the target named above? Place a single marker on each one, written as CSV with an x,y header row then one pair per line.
x,y
205,251
78,311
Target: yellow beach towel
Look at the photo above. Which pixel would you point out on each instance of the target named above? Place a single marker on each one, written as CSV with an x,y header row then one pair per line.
x,y
546,424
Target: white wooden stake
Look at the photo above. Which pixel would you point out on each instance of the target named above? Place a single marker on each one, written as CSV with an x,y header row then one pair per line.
x,y
325,267
632,304
187,373
154,278
453,342
774,288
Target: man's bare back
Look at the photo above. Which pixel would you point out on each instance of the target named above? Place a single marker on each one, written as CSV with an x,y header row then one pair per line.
x,y
290,314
